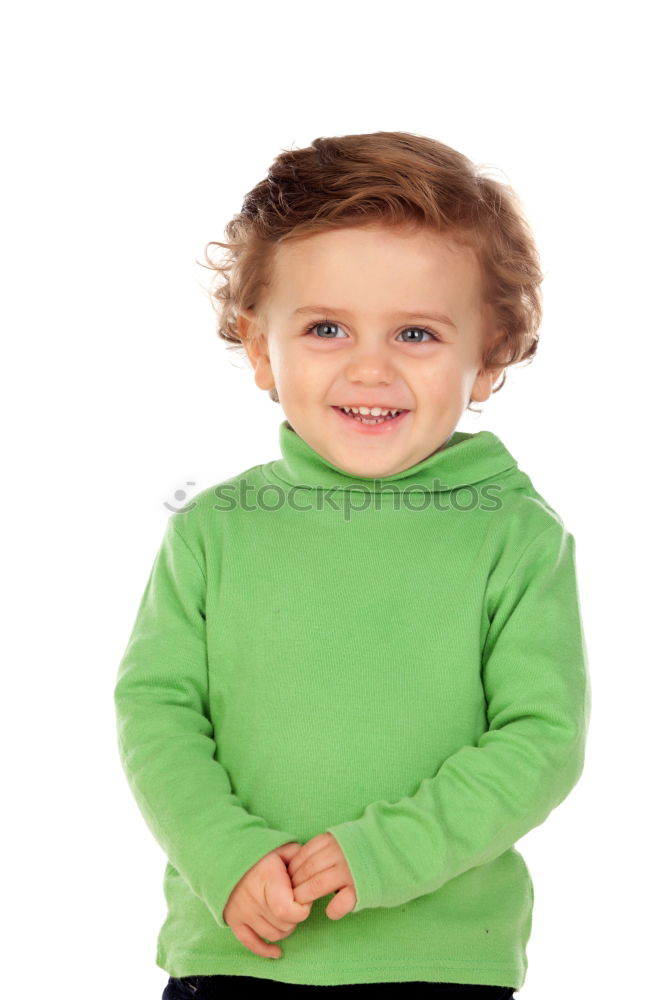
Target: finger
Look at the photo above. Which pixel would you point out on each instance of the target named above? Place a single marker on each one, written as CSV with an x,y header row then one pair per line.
x,y
308,851
266,928
299,857
342,903
313,845
254,943
266,911
323,859
288,851
281,926
277,903
318,885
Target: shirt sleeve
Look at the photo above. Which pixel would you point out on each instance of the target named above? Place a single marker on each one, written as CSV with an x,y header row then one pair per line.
x,y
485,797
166,739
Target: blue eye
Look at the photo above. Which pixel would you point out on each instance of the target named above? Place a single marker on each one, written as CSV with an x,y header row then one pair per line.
x,y
330,323
421,329
321,322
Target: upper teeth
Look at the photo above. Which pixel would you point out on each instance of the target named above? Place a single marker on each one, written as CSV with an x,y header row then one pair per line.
x,y
365,411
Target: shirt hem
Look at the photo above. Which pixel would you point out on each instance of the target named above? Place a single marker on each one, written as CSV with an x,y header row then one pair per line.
x,y
488,974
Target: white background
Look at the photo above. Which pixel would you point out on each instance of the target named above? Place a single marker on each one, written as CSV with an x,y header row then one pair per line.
x,y
131,132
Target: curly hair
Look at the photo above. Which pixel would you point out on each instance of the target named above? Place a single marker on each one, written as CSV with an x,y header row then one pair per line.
x,y
391,178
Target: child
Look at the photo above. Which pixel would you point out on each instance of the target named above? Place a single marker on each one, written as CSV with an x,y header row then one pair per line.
x,y
358,674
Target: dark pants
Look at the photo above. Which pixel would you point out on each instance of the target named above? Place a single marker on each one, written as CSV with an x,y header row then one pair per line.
x,y
219,987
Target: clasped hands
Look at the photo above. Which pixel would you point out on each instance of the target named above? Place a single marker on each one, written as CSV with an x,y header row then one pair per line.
x,y
277,893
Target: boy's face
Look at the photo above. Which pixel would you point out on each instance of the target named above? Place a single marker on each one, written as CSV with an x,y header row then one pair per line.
x,y
381,288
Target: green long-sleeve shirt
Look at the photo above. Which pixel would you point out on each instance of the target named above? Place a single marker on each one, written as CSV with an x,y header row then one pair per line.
x,y
400,662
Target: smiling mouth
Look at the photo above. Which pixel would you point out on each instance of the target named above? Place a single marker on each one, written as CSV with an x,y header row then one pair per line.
x,y
369,419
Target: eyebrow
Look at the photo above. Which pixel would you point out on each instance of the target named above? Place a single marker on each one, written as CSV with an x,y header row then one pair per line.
x,y
425,314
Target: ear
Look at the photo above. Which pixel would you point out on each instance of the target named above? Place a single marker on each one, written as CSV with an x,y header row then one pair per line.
x,y
247,325
483,385
486,378
256,347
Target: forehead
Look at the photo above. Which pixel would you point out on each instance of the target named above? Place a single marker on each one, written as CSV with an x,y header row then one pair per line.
x,y
371,261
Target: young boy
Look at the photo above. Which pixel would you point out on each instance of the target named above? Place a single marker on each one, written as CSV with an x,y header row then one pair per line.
x,y
358,674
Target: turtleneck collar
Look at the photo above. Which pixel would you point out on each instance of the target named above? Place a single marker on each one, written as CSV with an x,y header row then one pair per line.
x,y
466,459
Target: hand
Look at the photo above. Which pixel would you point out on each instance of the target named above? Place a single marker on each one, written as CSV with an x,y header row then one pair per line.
x,y
319,867
263,905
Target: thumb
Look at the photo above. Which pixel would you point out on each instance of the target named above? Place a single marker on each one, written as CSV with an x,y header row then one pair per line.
x,y
279,895
342,903
288,851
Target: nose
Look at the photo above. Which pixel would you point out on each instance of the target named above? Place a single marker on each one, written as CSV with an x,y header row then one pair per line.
x,y
369,364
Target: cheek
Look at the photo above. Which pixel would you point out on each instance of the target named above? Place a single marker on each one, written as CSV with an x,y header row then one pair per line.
x,y
298,374
445,376
284,364
309,366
